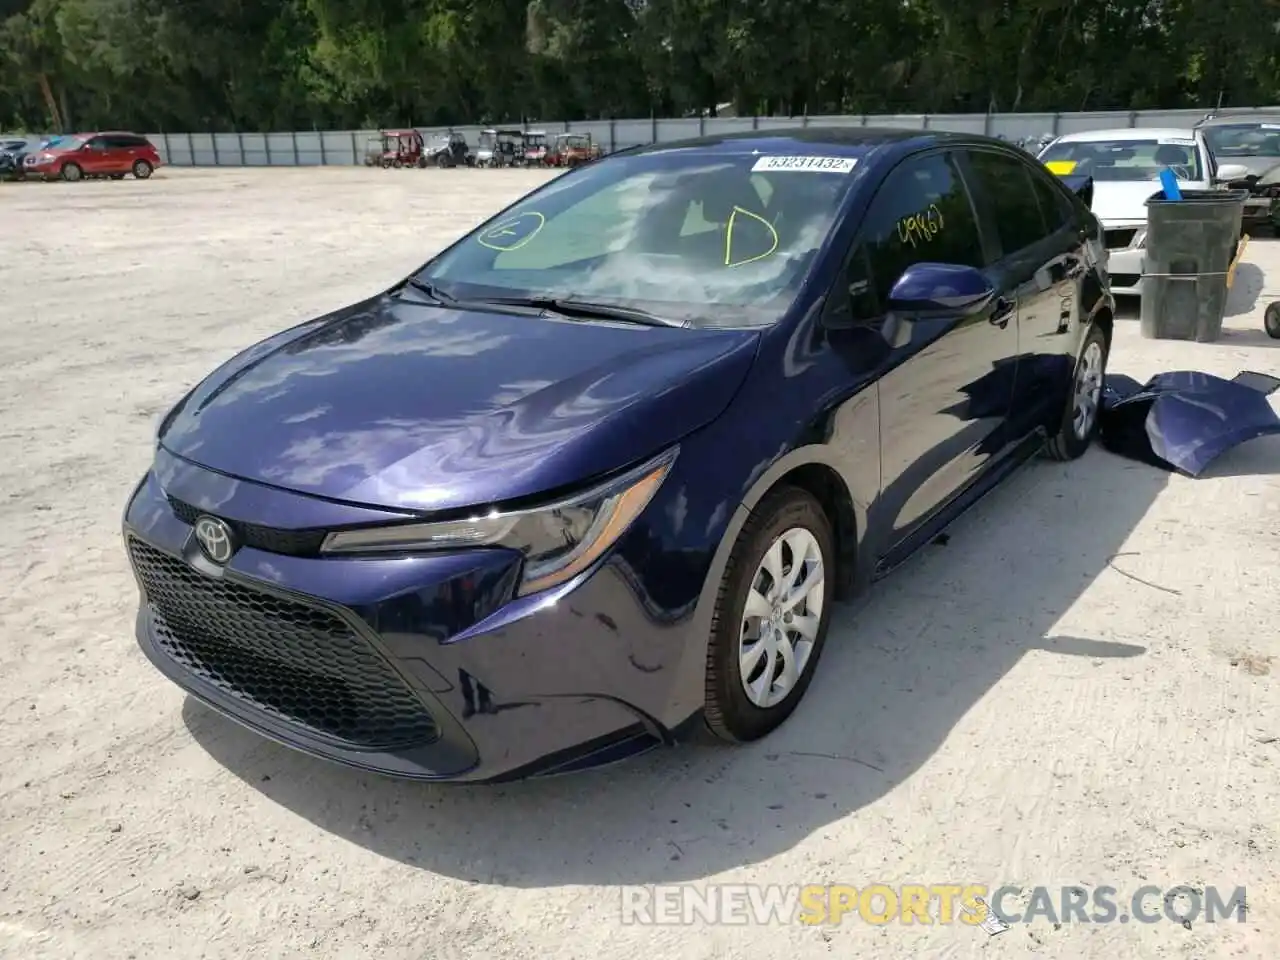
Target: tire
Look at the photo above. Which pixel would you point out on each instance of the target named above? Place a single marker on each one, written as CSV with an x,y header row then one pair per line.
x,y
1271,321
1077,429
141,170
71,172
442,161
397,164
786,515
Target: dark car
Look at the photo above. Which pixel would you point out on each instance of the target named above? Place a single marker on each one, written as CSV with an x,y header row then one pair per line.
x,y
1246,149
94,155
595,475
12,150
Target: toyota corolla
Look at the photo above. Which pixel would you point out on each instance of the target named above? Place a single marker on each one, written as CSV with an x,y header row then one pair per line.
x,y
593,477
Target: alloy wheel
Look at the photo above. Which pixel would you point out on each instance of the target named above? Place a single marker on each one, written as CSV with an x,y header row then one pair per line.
x,y
781,617
1087,390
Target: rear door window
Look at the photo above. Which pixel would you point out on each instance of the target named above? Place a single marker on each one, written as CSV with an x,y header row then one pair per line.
x,y
1006,191
1055,206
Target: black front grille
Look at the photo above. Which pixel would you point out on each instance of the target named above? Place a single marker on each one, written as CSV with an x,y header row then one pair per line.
x,y
293,543
1120,239
297,662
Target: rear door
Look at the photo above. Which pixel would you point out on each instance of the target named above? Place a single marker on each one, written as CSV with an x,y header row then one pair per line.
x,y
1038,258
119,153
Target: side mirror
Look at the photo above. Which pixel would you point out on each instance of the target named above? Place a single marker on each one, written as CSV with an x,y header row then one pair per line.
x,y
926,288
1230,172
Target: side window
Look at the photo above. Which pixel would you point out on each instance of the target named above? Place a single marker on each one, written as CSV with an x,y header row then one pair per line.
x,y
921,213
96,143
1055,207
854,295
1005,185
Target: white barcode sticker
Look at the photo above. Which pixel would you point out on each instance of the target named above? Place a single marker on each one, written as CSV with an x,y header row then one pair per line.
x,y
805,164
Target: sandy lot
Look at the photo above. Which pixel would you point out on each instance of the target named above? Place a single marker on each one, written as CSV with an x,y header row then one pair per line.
x,y
1078,689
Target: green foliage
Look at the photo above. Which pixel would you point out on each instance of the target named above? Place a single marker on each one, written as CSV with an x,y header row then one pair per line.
x,y
290,64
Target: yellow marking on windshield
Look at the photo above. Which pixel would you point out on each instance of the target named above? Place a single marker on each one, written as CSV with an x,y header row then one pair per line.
x,y
728,238
508,228
1060,167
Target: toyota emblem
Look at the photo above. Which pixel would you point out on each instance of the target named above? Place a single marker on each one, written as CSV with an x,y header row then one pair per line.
x,y
215,539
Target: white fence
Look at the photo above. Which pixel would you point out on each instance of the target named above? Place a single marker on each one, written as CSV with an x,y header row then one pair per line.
x,y
346,147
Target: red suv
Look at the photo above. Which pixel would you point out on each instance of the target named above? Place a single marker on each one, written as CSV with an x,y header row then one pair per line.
x,y
93,155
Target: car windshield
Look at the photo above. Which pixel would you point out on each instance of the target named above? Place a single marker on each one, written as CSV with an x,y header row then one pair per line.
x,y
1245,139
1126,161
704,238
66,143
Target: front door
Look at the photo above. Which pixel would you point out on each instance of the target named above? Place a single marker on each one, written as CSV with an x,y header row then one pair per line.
x,y
93,158
945,396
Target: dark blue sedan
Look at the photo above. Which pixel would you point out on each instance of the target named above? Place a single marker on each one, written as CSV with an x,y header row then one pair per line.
x,y
593,478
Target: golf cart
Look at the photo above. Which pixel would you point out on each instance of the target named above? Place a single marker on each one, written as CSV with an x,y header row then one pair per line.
x,y
501,148
395,148
573,150
535,148
448,150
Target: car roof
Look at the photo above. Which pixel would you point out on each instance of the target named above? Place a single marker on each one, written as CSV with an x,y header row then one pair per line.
x,y
1233,119
1128,133
815,141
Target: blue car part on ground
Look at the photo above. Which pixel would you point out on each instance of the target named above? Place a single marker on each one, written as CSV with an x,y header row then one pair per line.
x,y
1184,420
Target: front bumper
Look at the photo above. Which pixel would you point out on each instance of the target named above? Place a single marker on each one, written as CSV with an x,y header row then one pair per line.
x,y
1124,268
419,667
1261,210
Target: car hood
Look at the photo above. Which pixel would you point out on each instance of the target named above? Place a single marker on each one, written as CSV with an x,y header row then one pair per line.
x,y
1119,202
409,406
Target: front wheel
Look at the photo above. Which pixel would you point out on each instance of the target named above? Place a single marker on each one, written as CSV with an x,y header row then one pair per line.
x,y
1079,422
71,172
771,617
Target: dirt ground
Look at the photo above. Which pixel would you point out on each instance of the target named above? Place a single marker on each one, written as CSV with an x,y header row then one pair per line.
x,y
1079,688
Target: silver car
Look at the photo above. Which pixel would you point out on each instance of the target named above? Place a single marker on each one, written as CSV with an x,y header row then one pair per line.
x,y
1247,148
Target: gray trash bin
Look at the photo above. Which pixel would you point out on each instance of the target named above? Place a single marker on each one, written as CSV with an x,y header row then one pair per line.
x,y
1189,248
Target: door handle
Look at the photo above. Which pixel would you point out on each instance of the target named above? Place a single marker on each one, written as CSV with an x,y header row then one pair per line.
x,y
1002,312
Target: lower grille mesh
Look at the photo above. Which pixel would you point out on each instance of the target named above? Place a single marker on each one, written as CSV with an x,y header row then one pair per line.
x,y
294,661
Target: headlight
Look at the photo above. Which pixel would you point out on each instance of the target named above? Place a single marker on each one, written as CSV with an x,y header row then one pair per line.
x,y
558,541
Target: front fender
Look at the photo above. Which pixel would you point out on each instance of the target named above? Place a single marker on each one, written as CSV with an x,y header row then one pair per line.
x,y
854,575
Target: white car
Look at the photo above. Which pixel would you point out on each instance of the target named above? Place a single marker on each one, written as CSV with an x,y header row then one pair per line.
x,y
1125,166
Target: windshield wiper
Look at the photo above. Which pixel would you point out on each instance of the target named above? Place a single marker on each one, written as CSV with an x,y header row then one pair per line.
x,y
587,309
431,290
